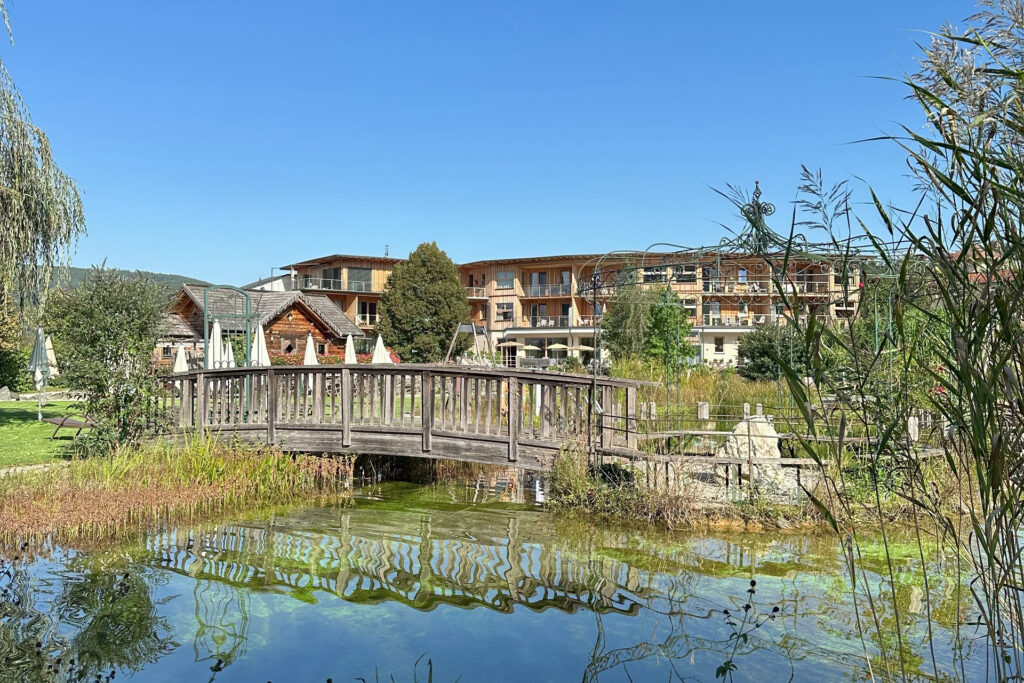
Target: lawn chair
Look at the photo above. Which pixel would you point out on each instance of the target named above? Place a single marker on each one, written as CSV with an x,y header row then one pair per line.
x,y
70,421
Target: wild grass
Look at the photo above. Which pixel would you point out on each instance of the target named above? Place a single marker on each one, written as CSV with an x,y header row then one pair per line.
x,y
100,499
614,492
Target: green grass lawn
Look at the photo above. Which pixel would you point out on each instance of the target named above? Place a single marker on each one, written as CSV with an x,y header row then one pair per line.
x,y
26,441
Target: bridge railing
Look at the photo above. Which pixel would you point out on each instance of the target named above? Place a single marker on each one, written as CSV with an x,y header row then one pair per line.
x,y
539,409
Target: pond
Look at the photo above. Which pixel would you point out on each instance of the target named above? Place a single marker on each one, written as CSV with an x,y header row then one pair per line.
x,y
417,581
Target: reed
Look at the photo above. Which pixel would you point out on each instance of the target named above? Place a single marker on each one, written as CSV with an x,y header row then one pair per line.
x,y
94,500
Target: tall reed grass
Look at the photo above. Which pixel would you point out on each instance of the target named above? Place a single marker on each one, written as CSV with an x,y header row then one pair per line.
x,y
106,498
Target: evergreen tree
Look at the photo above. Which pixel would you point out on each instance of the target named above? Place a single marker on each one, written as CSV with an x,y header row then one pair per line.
x,y
422,305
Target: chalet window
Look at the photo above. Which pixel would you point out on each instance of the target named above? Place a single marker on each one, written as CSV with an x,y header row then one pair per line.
x,y
742,307
684,273
321,349
719,344
167,352
741,275
506,280
504,311
288,345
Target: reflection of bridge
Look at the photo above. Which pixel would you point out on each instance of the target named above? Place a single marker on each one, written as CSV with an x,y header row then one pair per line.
x,y
358,560
492,416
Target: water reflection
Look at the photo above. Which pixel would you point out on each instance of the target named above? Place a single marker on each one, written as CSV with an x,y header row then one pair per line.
x,y
487,591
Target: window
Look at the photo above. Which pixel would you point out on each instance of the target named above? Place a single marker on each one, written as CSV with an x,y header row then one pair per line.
x,y
321,349
684,273
360,279
719,344
742,307
166,352
505,280
504,311
654,274
691,307
367,313
741,275
330,278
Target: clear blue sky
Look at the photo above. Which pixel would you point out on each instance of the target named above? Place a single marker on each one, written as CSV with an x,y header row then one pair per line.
x,y
220,139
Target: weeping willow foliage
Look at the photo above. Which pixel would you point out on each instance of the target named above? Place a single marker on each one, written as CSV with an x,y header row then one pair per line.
x,y
41,215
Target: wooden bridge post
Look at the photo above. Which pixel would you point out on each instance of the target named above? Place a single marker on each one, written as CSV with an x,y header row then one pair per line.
x,y
346,407
187,418
606,417
515,410
271,406
631,417
202,398
427,408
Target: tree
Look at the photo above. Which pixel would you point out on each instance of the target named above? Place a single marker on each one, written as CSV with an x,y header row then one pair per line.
x,y
763,353
40,207
422,305
104,334
647,323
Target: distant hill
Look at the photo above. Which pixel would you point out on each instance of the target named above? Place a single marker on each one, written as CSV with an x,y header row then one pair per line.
x,y
169,280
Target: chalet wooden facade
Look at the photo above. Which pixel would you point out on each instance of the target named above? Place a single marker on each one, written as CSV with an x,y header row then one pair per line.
x,y
288,318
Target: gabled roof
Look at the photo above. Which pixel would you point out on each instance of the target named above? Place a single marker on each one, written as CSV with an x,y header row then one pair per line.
x,y
173,327
268,305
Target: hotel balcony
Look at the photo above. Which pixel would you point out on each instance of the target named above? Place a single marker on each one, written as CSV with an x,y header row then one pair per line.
x,y
750,320
549,321
343,285
476,292
367,319
541,291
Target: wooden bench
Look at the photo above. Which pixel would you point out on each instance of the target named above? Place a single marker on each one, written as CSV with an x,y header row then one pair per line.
x,y
70,422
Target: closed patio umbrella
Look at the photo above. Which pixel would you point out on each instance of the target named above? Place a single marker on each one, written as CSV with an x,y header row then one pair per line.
x,y
51,357
39,366
309,357
214,350
259,357
350,351
228,358
180,362
380,354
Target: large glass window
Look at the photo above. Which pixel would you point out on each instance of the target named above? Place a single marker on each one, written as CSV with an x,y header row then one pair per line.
x,y
684,273
719,344
691,307
360,279
331,278
506,279
504,311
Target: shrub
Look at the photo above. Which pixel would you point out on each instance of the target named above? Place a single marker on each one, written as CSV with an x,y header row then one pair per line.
x,y
105,333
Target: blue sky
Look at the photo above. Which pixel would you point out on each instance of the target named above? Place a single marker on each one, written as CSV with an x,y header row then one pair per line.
x,y
221,139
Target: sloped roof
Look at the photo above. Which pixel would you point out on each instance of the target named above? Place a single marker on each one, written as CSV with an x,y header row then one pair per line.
x,y
268,305
173,326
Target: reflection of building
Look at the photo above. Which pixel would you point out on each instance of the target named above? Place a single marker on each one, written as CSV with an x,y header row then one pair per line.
x,y
549,306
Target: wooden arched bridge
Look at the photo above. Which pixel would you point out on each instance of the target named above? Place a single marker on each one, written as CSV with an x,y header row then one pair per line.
x,y
487,415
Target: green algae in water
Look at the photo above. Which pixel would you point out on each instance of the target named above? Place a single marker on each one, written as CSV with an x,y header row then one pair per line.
x,y
483,588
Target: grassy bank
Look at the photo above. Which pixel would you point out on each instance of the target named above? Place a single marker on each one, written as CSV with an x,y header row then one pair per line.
x,y
24,440
107,498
